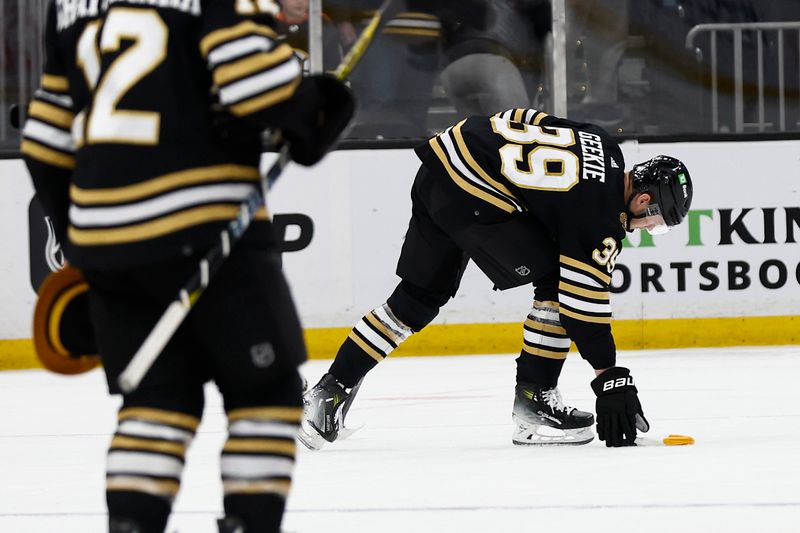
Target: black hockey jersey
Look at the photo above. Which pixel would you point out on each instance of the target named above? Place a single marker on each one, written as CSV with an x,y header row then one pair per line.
x,y
570,177
122,138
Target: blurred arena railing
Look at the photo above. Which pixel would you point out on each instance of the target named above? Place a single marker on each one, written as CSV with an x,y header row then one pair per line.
x,y
777,56
639,68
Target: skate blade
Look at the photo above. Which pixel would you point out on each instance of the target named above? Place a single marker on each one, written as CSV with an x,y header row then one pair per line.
x,y
526,434
310,438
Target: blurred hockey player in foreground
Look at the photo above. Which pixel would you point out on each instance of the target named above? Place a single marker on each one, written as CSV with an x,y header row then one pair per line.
x,y
530,198
142,142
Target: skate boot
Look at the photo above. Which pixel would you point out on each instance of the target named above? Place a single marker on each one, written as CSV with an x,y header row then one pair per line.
x,y
324,408
541,418
230,524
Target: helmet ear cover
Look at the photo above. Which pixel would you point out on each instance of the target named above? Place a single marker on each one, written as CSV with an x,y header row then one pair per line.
x,y
63,336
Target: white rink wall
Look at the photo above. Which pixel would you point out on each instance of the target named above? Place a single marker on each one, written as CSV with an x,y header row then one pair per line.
x,y
731,260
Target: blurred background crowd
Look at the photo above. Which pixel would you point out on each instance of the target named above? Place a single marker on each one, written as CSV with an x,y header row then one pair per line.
x,y
636,67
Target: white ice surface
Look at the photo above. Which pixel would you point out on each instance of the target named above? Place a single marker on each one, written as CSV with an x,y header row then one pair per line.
x,y
435,453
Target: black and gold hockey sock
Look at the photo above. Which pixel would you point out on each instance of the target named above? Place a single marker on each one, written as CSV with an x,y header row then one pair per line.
x,y
257,464
373,338
544,347
145,462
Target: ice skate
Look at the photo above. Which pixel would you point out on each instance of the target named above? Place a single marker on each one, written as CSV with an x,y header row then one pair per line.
x,y
541,418
324,409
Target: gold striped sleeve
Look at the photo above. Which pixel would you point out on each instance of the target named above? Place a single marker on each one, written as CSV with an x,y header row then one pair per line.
x,y
46,155
251,65
595,273
52,114
215,38
540,115
519,115
461,182
57,84
265,100
282,414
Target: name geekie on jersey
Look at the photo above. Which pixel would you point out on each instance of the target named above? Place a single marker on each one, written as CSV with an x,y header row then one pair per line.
x,y
594,161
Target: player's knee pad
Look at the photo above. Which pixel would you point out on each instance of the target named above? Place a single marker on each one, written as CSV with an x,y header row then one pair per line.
x,y
148,451
415,307
544,336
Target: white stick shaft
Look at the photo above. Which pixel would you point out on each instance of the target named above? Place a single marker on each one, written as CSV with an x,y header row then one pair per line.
x,y
149,351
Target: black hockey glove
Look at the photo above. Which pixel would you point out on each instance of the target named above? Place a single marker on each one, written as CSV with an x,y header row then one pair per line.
x,y
324,107
619,413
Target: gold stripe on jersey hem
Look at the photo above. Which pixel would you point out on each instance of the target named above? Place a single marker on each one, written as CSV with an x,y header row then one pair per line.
x,y
159,446
268,99
588,293
47,155
158,227
167,182
462,147
540,115
256,487
281,414
260,445
142,484
171,418
605,278
251,64
519,114
220,36
353,336
547,328
461,182
380,326
547,354
59,84
586,318
52,114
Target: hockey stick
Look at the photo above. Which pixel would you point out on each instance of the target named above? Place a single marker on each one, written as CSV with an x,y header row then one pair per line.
x,y
209,265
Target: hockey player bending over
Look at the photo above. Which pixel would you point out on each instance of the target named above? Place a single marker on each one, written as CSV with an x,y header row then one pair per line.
x,y
530,198
139,177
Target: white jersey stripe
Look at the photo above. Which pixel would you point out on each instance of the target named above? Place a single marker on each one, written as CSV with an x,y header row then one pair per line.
x,y
447,141
580,278
161,205
49,135
240,47
261,82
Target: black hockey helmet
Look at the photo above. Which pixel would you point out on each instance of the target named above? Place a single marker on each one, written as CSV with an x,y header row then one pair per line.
x,y
667,180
